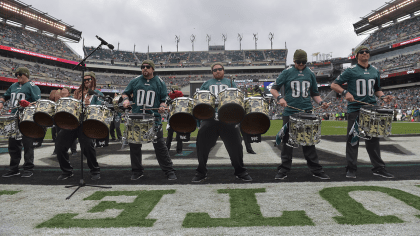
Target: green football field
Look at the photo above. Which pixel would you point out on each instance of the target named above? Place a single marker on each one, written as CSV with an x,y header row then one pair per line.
x,y
328,128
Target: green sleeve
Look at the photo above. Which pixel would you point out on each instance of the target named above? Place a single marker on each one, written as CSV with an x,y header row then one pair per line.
x,y
36,93
314,89
204,86
280,81
163,92
7,95
96,100
344,77
129,90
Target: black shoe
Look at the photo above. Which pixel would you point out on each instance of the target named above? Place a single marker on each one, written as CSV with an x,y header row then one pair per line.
x,y
64,176
54,154
251,151
321,175
96,176
113,140
171,176
383,173
179,152
198,178
11,173
244,177
27,174
280,175
351,173
136,176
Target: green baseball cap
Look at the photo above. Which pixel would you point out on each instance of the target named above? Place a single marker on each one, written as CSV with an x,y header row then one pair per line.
x,y
300,55
91,74
360,48
150,62
23,70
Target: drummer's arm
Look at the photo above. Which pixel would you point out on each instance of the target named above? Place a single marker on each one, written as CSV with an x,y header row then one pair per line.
x,y
276,94
2,101
318,100
126,100
382,96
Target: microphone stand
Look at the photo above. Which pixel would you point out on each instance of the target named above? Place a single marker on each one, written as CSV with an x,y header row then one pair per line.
x,y
82,182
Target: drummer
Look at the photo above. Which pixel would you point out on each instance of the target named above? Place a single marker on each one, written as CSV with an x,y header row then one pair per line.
x,y
149,91
299,86
211,129
21,90
363,84
65,138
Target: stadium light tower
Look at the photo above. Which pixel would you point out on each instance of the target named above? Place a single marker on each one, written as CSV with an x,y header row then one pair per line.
x,y
208,39
271,37
224,37
255,39
240,36
192,38
177,39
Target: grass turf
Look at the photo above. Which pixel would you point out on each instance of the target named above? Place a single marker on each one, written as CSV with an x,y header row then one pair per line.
x,y
328,128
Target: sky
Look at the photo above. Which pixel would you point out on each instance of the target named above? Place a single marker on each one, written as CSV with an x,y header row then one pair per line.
x,y
324,26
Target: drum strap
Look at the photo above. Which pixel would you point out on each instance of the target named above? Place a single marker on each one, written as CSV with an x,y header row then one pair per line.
x,y
280,135
354,133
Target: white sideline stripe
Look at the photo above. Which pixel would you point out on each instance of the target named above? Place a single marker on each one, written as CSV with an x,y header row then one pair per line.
x,y
44,202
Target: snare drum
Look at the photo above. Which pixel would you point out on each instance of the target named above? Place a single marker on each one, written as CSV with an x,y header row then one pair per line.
x,y
205,102
181,119
140,128
256,120
44,112
8,125
116,102
67,113
27,125
375,121
231,106
97,121
305,129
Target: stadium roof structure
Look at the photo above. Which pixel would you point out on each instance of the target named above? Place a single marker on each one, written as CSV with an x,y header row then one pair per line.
x,y
390,11
17,11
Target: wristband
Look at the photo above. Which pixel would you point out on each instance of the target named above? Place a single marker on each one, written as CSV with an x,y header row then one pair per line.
x,y
2,102
279,97
344,92
126,98
322,102
382,97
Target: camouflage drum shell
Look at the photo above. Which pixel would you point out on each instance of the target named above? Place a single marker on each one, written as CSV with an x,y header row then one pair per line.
x,y
140,131
204,97
45,106
8,125
231,96
305,132
374,124
257,104
182,105
69,105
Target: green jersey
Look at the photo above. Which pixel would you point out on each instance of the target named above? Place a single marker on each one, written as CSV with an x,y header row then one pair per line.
x,y
95,99
27,91
362,83
216,86
147,94
299,87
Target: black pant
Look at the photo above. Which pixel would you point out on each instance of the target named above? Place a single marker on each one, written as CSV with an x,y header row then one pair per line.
x,y
245,138
309,152
115,126
15,151
372,147
169,140
54,131
161,152
65,139
207,136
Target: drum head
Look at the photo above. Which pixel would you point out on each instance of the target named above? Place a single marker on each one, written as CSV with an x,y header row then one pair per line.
x,y
65,120
305,116
255,123
183,123
231,113
95,129
203,111
31,129
378,109
43,119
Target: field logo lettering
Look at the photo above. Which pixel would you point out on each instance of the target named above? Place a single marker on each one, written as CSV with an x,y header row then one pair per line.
x,y
133,215
244,211
355,214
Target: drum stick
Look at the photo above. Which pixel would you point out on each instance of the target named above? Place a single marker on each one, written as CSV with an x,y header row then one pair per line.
x,y
364,103
295,108
321,106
